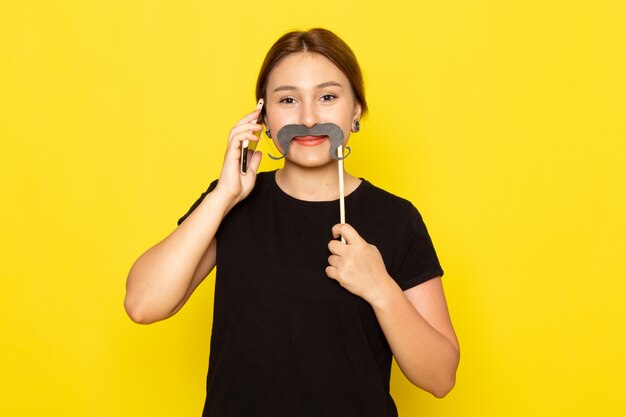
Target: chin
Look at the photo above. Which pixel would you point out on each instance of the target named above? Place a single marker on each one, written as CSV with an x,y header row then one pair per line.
x,y
311,161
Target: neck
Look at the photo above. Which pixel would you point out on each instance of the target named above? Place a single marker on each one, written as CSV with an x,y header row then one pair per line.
x,y
314,184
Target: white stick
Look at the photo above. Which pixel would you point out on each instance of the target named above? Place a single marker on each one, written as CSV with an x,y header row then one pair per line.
x,y
342,203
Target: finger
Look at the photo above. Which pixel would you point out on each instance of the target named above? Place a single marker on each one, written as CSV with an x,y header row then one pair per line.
x,y
247,127
336,247
233,151
251,126
245,135
256,161
234,145
334,260
348,232
248,118
331,272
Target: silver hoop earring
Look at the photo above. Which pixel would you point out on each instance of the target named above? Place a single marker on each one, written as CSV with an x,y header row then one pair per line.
x,y
356,126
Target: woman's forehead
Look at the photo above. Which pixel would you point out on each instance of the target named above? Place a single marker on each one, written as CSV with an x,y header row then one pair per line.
x,y
305,70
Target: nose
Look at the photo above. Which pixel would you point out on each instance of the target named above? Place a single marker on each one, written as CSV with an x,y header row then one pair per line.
x,y
308,114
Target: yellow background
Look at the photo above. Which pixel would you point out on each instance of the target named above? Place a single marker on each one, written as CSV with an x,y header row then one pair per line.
x,y
504,123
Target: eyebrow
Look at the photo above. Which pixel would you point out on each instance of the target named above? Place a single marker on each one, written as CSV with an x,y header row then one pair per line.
x,y
322,85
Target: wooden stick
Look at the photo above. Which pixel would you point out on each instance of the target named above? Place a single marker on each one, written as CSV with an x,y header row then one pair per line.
x,y
342,202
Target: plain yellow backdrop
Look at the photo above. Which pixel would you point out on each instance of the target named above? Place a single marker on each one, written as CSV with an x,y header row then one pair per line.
x,y
503,122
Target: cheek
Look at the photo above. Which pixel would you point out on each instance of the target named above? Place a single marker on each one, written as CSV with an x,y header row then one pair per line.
x,y
277,119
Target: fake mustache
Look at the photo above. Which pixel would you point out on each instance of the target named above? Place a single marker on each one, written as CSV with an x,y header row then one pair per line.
x,y
288,132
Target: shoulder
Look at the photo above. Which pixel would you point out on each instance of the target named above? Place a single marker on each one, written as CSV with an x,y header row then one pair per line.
x,y
381,216
396,228
384,200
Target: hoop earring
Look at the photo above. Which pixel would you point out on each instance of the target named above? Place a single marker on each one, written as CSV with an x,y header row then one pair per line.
x,y
268,134
356,126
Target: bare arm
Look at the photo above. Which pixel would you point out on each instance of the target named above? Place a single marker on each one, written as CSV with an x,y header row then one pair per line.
x,y
164,277
417,326
416,322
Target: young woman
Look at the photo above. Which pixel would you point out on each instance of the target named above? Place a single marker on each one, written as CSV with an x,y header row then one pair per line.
x,y
304,323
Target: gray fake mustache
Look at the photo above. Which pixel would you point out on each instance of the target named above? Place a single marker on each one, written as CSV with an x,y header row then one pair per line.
x,y
286,134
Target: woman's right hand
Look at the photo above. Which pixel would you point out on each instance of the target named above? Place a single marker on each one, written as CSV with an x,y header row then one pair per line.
x,y
232,183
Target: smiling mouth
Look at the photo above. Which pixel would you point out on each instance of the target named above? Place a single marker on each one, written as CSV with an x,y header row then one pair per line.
x,y
309,140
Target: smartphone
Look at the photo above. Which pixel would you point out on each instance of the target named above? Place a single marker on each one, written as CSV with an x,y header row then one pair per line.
x,y
247,147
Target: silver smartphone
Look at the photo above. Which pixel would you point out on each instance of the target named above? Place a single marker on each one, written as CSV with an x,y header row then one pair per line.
x,y
247,147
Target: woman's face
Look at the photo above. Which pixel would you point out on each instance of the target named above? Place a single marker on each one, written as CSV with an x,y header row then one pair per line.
x,y
308,89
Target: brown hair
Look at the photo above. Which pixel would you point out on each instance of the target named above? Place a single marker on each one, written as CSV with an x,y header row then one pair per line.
x,y
323,42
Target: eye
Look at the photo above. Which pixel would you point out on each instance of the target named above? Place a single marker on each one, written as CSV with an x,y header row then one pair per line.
x,y
287,100
328,97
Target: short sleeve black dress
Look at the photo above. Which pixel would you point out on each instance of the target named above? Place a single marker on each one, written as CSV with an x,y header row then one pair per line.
x,y
286,339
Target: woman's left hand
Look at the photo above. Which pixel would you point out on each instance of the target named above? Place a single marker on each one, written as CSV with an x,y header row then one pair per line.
x,y
357,265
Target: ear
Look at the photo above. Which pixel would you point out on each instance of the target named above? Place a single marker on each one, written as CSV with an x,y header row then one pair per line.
x,y
356,115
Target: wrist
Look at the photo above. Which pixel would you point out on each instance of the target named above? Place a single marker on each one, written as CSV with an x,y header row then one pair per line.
x,y
387,293
225,196
224,199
